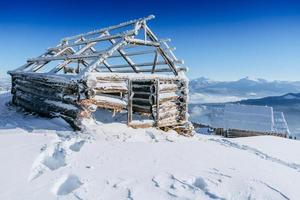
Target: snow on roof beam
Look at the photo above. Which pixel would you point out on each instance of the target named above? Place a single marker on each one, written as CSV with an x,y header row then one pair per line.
x,y
102,30
92,49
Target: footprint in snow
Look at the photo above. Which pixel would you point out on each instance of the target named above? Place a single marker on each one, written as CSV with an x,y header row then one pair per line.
x,y
56,159
77,146
191,188
67,184
51,158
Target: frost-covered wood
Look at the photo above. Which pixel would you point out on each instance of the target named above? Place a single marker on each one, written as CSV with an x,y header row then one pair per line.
x,y
86,75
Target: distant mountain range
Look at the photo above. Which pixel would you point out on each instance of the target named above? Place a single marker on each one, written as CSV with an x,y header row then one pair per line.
x,y
204,90
287,99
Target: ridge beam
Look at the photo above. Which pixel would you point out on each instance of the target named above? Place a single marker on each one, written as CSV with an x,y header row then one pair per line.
x,y
102,30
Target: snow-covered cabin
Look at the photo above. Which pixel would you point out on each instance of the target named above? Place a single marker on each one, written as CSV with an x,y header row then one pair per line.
x,y
124,67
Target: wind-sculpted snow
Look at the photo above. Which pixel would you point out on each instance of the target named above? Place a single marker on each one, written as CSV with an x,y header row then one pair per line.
x,y
45,159
191,189
256,152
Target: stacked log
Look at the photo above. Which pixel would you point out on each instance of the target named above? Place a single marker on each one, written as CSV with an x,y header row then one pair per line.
x,y
109,93
170,108
142,100
49,98
111,87
164,99
142,96
109,102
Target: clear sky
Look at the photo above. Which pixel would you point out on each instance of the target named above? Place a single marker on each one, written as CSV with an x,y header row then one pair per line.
x,y
222,40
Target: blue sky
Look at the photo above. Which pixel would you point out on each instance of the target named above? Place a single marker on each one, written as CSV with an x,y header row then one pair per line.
x,y
222,40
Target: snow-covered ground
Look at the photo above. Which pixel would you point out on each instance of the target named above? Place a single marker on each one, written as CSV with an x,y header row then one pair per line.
x,y
45,159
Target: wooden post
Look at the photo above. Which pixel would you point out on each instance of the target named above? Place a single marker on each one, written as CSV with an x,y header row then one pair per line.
x,y
129,105
186,97
155,62
157,102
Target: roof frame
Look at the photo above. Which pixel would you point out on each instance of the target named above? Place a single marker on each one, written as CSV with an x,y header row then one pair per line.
x,y
89,56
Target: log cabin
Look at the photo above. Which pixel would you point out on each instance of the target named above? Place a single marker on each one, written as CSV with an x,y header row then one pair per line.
x,y
123,67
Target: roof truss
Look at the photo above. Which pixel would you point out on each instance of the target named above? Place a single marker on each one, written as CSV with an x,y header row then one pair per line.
x,y
95,51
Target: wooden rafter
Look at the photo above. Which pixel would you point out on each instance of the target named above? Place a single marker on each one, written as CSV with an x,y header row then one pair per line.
x,y
153,38
104,56
109,28
91,56
123,54
81,51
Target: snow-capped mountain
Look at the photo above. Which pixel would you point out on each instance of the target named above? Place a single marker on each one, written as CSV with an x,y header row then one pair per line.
x,y
289,98
204,90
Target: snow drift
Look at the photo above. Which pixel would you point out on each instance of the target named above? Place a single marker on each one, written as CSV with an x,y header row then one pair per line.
x,y
45,159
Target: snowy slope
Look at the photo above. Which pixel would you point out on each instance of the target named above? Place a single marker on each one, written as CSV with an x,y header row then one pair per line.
x,y
45,159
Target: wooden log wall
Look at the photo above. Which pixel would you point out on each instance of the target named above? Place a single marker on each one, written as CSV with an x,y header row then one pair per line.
x,y
49,98
142,93
171,102
109,93
163,99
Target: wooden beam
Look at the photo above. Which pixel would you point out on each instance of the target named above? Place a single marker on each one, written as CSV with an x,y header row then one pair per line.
x,y
40,65
89,56
69,50
105,63
154,62
66,62
150,70
102,30
129,105
123,54
29,63
141,64
110,37
157,114
142,42
103,57
169,49
153,38
25,66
